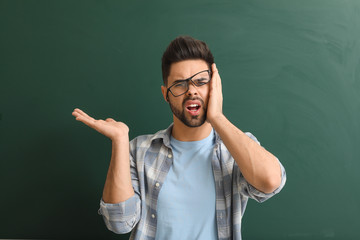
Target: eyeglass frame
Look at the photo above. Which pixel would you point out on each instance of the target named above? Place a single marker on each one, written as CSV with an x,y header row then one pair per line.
x,y
187,81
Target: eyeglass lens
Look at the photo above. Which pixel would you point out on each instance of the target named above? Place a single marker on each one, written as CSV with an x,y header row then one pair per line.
x,y
199,80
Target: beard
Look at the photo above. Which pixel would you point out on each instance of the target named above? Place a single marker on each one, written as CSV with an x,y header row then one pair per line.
x,y
190,121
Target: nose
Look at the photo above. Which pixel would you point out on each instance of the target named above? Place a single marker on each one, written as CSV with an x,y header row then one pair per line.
x,y
192,89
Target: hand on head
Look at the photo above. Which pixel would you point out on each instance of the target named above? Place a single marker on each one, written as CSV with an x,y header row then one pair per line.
x,y
215,95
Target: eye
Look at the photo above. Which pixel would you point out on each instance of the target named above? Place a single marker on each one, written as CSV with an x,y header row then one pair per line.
x,y
180,85
201,81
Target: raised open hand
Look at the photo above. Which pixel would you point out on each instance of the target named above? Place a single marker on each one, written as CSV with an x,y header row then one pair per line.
x,y
109,127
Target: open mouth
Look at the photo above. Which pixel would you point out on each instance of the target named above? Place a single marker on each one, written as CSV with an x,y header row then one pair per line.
x,y
193,107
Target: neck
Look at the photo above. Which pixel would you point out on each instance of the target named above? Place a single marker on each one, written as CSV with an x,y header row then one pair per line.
x,y
184,133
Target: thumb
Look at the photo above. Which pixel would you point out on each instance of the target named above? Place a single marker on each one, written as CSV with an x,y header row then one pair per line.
x,y
110,120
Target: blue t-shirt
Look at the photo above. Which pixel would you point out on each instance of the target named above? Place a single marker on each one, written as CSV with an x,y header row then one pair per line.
x,y
186,203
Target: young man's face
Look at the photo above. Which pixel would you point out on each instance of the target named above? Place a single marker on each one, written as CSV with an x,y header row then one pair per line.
x,y
190,108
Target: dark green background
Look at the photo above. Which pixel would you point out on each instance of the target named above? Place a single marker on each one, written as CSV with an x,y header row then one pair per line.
x,y
290,72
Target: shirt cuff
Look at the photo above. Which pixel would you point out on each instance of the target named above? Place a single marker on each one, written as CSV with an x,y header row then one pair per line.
x,y
121,217
126,208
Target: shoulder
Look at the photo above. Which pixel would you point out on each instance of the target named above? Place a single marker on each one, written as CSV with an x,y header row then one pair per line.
x,y
145,141
141,139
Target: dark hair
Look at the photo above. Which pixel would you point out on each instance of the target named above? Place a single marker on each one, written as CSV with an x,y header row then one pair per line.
x,y
184,48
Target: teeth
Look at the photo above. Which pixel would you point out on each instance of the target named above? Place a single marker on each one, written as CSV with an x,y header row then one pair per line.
x,y
193,105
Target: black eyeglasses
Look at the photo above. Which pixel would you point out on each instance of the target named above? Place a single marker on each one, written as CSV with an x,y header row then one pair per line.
x,y
180,87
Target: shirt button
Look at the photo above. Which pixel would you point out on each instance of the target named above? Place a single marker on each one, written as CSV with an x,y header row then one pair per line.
x,y
170,155
153,215
157,184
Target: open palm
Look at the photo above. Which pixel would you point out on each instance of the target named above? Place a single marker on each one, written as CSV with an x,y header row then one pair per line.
x,y
109,127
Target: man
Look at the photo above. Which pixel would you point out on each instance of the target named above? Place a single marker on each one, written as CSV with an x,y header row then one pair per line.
x,y
192,180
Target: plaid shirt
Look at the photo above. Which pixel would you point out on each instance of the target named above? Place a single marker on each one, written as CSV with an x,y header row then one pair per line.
x,y
151,159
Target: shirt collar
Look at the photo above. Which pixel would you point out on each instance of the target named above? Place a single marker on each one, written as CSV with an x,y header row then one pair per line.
x,y
166,133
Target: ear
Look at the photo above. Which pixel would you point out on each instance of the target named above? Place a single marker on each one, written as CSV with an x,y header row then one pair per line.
x,y
164,90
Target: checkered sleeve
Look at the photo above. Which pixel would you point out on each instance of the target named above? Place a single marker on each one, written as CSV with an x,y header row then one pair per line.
x,y
122,217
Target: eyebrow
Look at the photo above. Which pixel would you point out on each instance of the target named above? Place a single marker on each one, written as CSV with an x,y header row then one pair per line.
x,y
180,80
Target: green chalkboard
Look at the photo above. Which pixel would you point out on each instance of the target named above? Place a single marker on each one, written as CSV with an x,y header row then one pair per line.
x,y
291,76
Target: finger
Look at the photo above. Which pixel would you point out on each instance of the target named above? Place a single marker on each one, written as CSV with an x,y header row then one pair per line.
x,y
214,70
213,67
77,112
110,120
84,118
87,121
217,77
81,113
77,115
214,76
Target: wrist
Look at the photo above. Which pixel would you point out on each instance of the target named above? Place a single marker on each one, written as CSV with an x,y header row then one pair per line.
x,y
120,139
216,119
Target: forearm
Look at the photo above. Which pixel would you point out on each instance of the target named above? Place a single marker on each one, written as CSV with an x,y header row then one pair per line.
x,y
118,187
259,167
